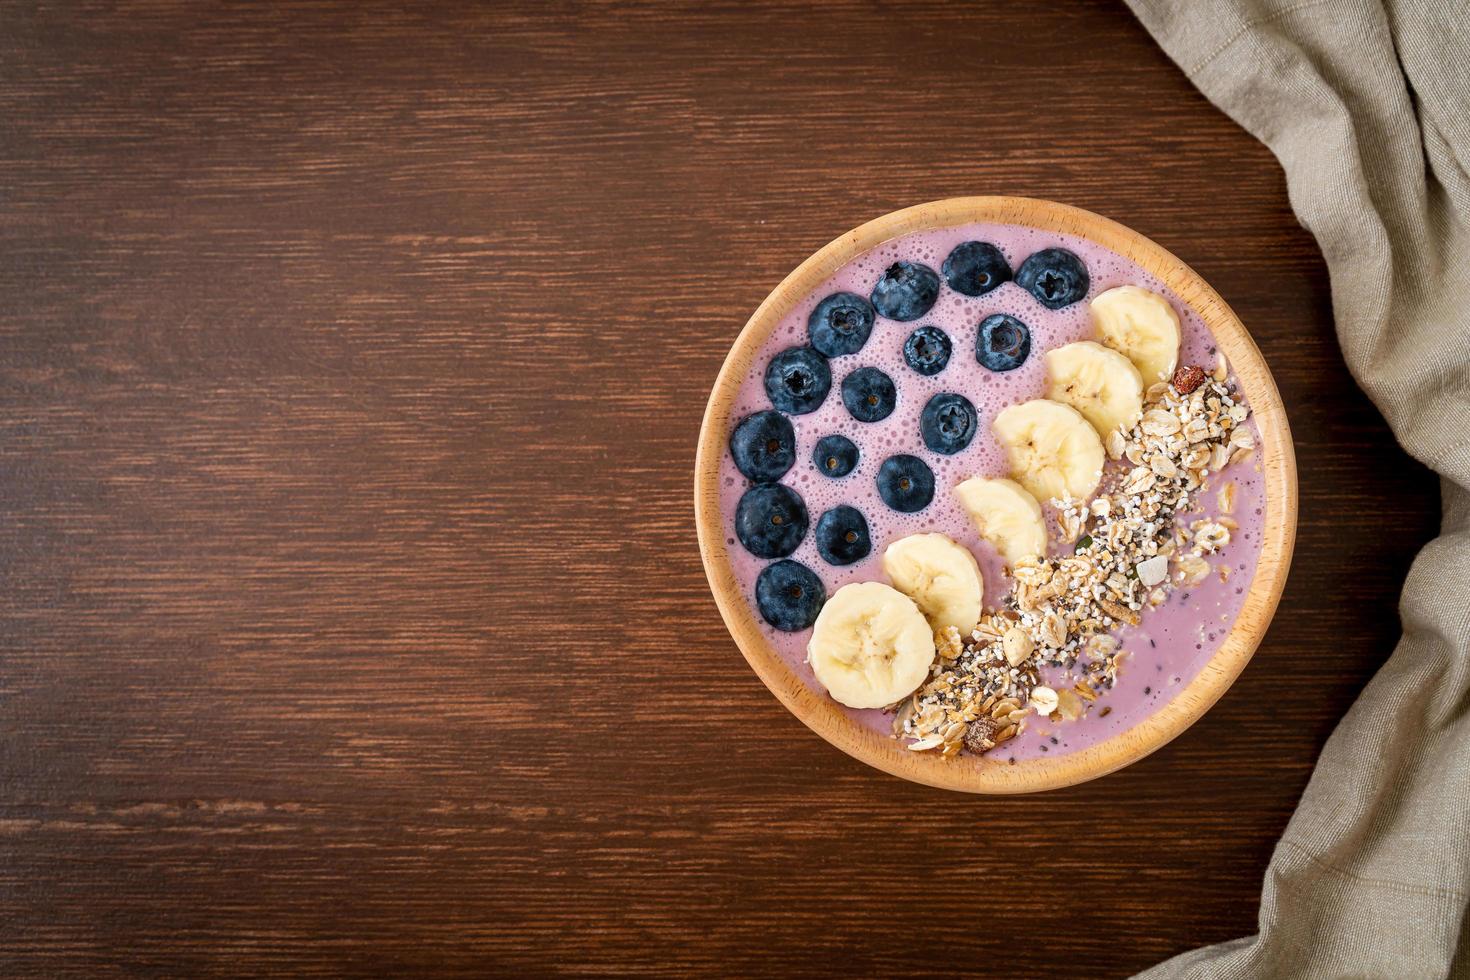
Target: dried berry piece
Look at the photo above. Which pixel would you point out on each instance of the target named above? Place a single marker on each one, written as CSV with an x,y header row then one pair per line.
x,y
1186,379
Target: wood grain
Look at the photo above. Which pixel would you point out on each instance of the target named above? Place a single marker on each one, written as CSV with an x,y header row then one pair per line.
x,y
353,359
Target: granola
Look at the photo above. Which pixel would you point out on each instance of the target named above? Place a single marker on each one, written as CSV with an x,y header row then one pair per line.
x,y
1130,549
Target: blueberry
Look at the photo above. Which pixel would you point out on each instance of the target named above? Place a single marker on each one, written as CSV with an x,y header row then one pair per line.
x,y
770,520
835,456
927,350
1003,343
842,535
905,483
975,268
948,423
789,595
840,324
906,291
869,394
1055,276
764,445
797,380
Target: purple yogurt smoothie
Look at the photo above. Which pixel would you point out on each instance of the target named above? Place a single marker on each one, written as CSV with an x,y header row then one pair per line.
x,y
1170,645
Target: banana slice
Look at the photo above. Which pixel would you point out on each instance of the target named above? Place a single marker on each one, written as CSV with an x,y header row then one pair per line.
x,y
870,645
1006,515
1100,383
1054,451
1140,325
939,575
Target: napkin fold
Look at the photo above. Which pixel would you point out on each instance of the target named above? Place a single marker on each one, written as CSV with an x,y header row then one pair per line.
x,y
1367,107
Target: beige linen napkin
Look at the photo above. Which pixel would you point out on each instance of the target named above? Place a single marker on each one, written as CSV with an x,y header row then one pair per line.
x,y
1367,107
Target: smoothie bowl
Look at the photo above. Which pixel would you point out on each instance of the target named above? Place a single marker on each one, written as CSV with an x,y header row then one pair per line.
x,y
995,494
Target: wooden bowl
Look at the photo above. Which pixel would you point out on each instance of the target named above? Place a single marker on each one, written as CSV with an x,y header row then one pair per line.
x,y
1278,464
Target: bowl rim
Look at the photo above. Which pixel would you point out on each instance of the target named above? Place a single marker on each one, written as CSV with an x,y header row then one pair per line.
x,y
1278,466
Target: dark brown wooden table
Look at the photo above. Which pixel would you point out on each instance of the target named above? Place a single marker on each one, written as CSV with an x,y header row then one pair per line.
x,y
351,361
